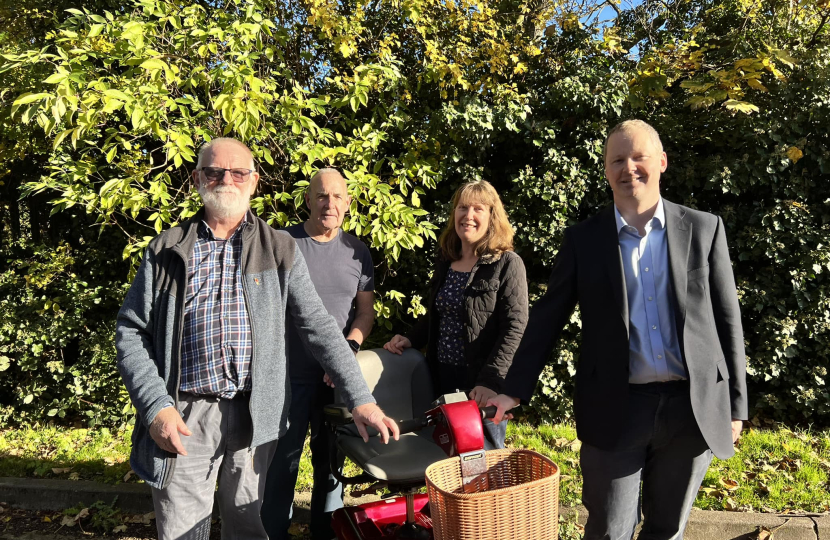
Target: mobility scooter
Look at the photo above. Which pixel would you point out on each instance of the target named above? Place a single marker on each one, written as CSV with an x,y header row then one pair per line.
x,y
474,495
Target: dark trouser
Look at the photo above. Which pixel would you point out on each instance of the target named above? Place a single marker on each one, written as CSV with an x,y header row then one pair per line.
x,y
662,446
451,378
307,402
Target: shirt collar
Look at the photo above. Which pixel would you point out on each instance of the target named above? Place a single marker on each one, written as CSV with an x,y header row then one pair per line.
x,y
659,215
207,233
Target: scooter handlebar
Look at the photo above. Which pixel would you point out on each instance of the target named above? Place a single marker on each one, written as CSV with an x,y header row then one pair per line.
x,y
490,412
415,424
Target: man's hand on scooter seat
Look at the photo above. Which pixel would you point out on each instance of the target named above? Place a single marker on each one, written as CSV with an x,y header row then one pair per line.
x,y
369,414
503,403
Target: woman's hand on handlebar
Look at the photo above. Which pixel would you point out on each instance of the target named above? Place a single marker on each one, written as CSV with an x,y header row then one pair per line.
x,y
397,344
481,395
503,403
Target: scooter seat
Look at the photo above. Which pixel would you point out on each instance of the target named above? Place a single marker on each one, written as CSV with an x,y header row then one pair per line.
x,y
401,461
402,387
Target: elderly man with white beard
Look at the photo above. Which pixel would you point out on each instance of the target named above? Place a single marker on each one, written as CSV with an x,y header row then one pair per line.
x,y
201,348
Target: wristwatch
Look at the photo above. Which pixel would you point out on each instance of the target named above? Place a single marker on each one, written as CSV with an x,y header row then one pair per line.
x,y
354,345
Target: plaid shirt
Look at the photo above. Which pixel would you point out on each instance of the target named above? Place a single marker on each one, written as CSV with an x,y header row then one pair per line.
x,y
216,342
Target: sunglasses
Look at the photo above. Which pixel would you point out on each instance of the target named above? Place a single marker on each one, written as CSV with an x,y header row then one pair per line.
x,y
218,173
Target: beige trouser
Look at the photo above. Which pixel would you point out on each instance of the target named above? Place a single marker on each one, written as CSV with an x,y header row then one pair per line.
x,y
219,449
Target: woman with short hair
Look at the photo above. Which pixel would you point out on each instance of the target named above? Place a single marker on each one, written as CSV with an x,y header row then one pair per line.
x,y
477,309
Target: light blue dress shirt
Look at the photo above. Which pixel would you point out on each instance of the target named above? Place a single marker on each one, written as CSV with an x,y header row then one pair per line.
x,y
654,350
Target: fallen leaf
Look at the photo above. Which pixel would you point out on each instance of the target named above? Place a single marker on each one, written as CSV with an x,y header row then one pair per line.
x,y
82,514
47,519
575,445
560,442
74,476
764,534
68,521
61,470
129,475
729,504
119,529
728,484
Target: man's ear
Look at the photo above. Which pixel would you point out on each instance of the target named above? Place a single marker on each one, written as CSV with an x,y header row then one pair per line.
x,y
255,180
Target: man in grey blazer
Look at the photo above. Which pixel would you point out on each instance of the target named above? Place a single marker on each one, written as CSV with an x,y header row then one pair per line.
x,y
661,379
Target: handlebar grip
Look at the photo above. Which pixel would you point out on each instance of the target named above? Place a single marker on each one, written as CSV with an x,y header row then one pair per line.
x,y
415,424
490,412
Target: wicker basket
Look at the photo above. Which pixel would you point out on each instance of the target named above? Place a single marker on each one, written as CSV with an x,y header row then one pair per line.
x,y
516,499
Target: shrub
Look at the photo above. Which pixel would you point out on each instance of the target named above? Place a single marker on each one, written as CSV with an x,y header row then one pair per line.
x,y
57,308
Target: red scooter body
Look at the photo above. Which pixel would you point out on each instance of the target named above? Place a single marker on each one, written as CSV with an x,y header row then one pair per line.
x,y
458,428
378,520
458,431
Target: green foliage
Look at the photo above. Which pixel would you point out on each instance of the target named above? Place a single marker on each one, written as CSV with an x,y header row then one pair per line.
x,y
104,110
56,332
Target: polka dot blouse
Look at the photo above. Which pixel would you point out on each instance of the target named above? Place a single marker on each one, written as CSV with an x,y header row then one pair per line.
x,y
450,306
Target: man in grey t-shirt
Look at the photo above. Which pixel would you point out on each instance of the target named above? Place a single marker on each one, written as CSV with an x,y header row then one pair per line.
x,y
341,269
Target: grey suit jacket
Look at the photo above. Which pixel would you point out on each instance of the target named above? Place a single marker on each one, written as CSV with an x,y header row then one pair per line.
x,y
588,270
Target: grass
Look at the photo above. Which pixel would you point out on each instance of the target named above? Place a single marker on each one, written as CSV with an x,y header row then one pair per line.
x,y
775,470
50,452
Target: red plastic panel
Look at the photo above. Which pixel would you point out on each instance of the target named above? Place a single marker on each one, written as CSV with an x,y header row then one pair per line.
x,y
460,430
377,520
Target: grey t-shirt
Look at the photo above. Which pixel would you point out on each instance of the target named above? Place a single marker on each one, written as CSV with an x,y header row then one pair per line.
x,y
339,269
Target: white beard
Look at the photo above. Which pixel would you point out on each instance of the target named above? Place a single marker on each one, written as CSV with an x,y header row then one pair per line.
x,y
224,201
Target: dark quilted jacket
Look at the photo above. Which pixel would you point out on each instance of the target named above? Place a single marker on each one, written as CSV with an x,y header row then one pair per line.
x,y
495,301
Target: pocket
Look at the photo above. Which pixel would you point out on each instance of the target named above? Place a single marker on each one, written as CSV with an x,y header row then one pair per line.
x,y
723,371
698,273
486,285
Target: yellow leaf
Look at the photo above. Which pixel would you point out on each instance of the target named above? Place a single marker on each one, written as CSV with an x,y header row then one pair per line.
x,y
756,84
784,57
345,50
740,106
794,153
